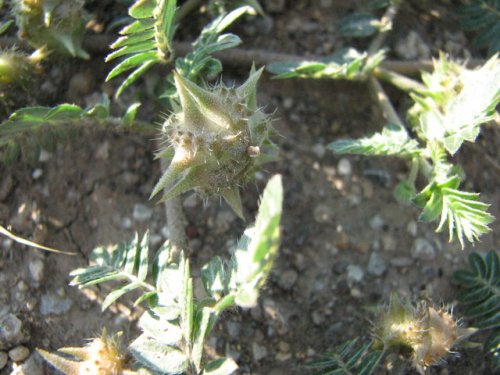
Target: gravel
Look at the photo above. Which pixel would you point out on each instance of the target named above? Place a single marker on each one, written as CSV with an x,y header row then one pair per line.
x,y
355,273
344,167
53,304
376,264
422,249
11,331
19,353
258,351
288,279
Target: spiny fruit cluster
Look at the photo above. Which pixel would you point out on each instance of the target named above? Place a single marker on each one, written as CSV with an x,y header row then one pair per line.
x,y
421,332
218,138
102,356
57,24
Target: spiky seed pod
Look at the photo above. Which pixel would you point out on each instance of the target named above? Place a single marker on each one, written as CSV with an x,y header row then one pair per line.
x,y
18,68
423,333
102,356
219,138
57,24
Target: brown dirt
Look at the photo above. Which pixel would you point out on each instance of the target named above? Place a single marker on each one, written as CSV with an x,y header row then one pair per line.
x,y
88,188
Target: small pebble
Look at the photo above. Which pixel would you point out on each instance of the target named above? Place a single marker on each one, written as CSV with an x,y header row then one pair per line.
x,y
412,47
258,351
36,268
19,353
355,273
34,365
401,262
377,222
356,293
287,103
287,279
376,264
412,228
233,329
6,186
389,242
37,173
53,304
344,167
3,359
142,212
318,318
322,214
11,331
423,250
44,156
319,150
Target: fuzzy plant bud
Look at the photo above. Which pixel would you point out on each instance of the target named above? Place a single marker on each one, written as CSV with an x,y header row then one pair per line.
x,y
218,139
58,25
18,68
102,356
423,333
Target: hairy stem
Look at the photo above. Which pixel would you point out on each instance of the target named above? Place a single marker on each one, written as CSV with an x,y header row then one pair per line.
x,y
186,8
176,221
99,44
386,22
398,80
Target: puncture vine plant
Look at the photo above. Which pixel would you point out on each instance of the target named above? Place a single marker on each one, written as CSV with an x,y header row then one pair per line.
x,y
216,137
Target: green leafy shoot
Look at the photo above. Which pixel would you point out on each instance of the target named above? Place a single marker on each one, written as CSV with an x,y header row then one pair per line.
x,y
29,129
348,358
346,64
127,263
393,140
456,106
480,298
482,16
146,41
199,62
463,213
257,249
175,325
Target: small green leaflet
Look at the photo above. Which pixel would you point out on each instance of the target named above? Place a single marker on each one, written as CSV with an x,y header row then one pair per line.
x,y
393,140
464,214
359,25
345,64
258,247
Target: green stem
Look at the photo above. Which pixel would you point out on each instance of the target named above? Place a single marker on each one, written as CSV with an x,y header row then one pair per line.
x,y
384,102
400,81
415,163
135,280
186,8
224,303
386,23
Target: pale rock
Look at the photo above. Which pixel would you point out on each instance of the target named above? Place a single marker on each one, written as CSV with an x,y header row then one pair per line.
x,y
258,351
288,279
3,359
422,249
11,331
376,264
36,268
53,304
142,212
19,353
344,167
355,273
